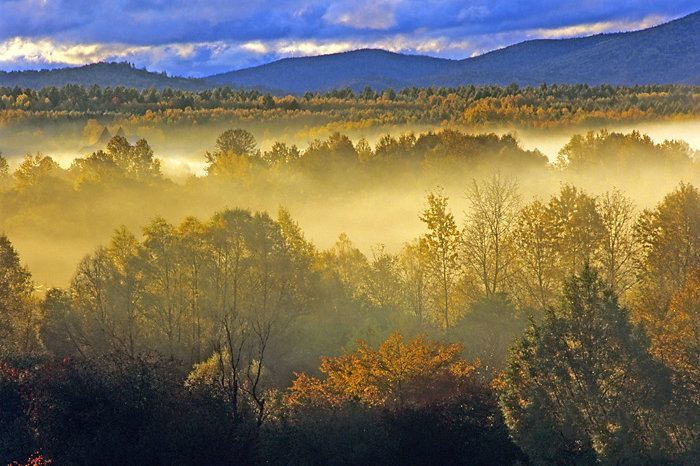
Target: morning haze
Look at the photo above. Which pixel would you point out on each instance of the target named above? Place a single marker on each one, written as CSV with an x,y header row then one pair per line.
x,y
358,233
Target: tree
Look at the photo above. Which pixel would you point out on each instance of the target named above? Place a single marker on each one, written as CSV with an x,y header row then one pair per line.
x,y
135,410
234,154
107,292
136,160
280,153
368,93
251,300
193,257
91,131
669,238
676,340
348,264
230,166
487,330
267,101
4,168
618,251
413,271
35,169
120,160
59,327
669,243
538,277
397,373
488,251
18,310
405,402
628,153
442,248
187,291
164,303
17,441
677,343
582,385
337,149
382,285
303,256
577,228
234,372
364,150
236,141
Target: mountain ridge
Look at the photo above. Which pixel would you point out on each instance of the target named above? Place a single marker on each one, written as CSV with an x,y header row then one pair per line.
x,y
668,53
105,74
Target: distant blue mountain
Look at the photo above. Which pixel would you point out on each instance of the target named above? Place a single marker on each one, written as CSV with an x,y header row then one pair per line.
x,y
368,67
668,53
102,74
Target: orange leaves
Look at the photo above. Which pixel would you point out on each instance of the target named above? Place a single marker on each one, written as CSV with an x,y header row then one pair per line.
x,y
398,372
37,459
677,338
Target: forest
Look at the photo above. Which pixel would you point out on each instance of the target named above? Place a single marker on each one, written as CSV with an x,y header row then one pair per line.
x,y
543,105
349,232
500,308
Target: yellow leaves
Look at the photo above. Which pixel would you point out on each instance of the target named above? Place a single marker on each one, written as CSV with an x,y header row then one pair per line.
x,y
206,372
677,335
34,168
22,101
463,369
398,371
230,165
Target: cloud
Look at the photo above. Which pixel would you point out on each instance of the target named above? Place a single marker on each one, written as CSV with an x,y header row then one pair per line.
x,y
256,46
197,37
363,14
27,53
49,52
597,28
393,43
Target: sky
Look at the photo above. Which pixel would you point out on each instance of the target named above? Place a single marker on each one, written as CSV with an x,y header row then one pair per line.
x,y
203,37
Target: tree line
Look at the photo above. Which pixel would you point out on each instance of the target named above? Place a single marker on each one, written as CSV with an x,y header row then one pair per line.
x,y
552,105
236,154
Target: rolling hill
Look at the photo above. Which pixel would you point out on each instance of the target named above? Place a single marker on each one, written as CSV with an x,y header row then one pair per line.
x,y
668,53
664,54
357,69
102,74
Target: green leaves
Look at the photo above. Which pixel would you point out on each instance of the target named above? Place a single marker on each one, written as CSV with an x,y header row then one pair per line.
x,y
584,378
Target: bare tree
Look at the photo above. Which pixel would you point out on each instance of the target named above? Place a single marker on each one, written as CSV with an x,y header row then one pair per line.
x,y
538,279
487,239
413,272
618,248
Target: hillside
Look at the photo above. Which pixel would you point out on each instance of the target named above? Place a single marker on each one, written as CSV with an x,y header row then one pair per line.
x,y
356,69
664,54
102,74
668,53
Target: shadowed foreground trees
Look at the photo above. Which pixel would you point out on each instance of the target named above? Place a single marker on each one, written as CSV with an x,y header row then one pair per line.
x,y
117,410
582,386
405,402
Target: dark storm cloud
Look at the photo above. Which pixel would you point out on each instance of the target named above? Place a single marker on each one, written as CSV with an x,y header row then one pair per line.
x,y
196,36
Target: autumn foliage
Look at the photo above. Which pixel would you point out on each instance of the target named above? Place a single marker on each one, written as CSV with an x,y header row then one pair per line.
x,y
397,373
